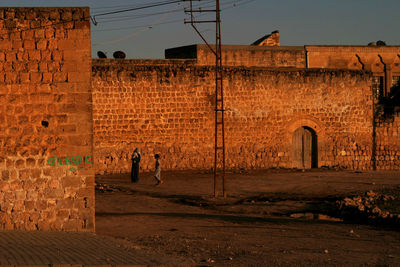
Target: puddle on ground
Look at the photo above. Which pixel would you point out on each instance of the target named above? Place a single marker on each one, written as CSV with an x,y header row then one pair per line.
x,y
314,216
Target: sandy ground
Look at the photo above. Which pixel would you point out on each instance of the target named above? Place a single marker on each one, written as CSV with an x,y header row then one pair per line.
x,y
269,218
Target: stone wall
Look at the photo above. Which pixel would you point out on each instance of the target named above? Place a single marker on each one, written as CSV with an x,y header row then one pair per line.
x,y
243,55
387,138
46,120
370,58
167,108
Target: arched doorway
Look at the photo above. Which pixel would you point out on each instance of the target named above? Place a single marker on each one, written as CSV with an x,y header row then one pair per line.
x,y
305,151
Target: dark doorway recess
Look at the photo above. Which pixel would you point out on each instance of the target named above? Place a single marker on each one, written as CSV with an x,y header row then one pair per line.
x,y
305,149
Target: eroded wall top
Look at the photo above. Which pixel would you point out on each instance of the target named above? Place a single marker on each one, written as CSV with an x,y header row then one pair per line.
x,y
243,55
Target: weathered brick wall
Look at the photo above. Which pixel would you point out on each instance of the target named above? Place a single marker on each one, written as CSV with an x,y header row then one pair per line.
x,y
244,55
45,112
167,108
372,58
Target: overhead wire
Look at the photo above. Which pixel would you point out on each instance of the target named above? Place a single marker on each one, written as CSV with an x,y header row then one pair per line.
x,y
116,7
154,4
138,8
124,18
129,18
135,33
138,26
159,22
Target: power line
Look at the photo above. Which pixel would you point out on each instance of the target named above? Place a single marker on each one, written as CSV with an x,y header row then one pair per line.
x,y
140,26
129,18
137,8
122,18
139,16
152,5
135,33
156,4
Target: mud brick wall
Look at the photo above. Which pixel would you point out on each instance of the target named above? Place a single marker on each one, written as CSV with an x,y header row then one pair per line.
x,y
241,55
168,107
45,113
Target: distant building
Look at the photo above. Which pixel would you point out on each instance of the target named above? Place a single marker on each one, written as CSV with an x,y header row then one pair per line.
x,y
65,116
286,106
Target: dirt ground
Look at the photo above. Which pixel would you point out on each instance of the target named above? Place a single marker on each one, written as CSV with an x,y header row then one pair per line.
x,y
269,218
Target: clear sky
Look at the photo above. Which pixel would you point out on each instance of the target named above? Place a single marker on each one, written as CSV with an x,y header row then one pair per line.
x,y
145,33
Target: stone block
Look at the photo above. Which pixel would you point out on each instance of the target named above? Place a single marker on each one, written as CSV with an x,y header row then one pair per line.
x,y
20,164
4,185
33,66
43,87
53,193
34,55
72,181
78,76
11,77
66,15
67,129
63,213
60,77
78,34
67,44
35,77
57,55
6,45
43,66
20,195
39,34
49,33
24,77
85,192
34,24
66,203
72,225
41,98
43,225
8,66
74,54
27,35
29,44
71,66
54,183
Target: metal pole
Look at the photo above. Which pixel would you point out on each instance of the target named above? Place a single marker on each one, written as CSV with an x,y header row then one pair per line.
x,y
220,92
219,134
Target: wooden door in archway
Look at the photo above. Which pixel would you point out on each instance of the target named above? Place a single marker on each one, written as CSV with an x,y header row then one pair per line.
x,y
304,148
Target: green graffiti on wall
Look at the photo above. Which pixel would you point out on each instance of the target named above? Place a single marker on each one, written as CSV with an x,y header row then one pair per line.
x,y
75,161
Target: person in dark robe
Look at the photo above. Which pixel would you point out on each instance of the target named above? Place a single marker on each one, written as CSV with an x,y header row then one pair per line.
x,y
135,165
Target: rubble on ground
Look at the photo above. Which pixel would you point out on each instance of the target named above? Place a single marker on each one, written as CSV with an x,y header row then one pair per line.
x,y
367,208
105,188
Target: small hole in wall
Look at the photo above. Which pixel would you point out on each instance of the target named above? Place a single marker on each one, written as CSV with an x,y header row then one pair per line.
x,y
45,124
